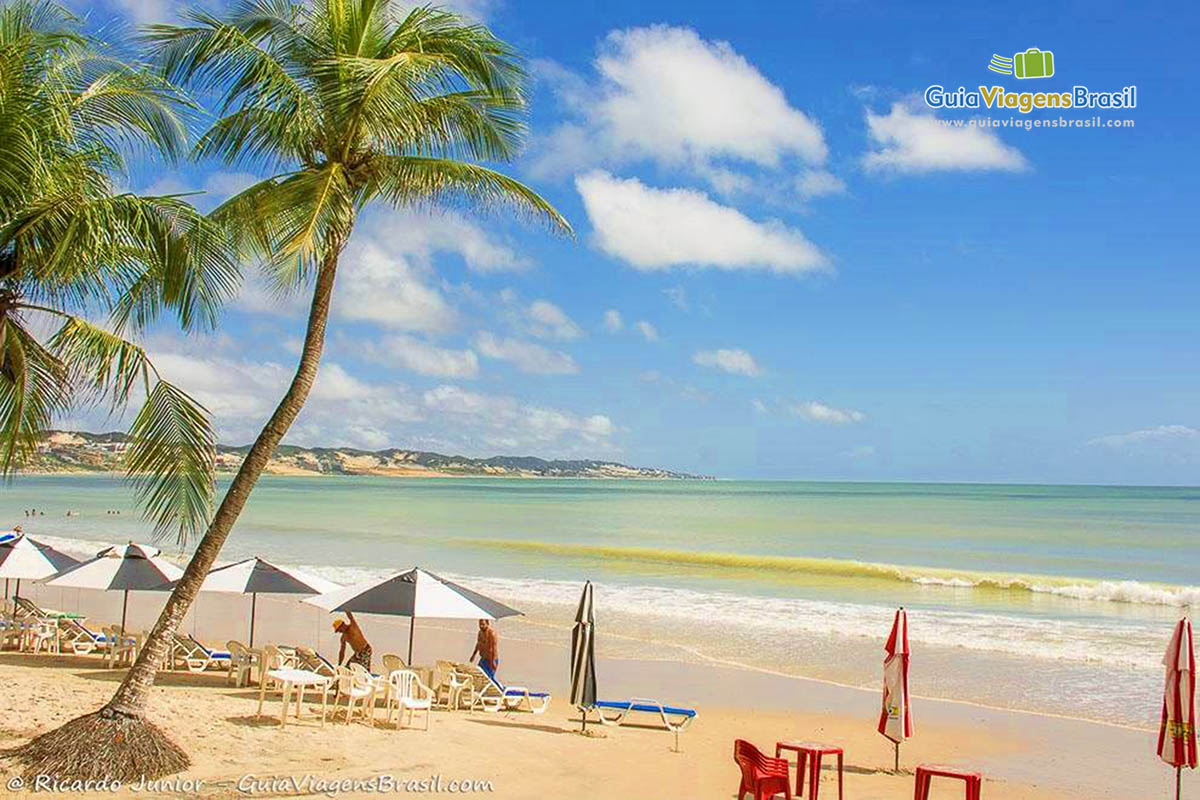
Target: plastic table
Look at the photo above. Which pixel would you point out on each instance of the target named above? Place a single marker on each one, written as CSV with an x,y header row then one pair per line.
x,y
300,680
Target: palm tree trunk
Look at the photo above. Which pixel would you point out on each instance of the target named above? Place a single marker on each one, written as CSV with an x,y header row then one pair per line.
x,y
130,698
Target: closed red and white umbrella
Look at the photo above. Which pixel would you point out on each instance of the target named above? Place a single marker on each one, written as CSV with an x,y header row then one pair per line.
x,y
895,719
1177,734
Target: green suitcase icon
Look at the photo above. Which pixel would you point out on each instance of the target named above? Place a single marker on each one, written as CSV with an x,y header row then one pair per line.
x,y
1034,63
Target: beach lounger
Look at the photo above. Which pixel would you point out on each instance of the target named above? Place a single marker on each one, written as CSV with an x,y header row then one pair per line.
x,y
674,718
490,694
82,639
313,661
196,656
24,607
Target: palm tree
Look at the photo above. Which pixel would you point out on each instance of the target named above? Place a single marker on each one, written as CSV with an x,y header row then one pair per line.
x,y
346,102
72,249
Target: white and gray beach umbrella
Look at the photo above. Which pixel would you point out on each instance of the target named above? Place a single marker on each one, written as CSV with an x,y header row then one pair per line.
x,y
121,568
254,576
583,655
22,558
413,594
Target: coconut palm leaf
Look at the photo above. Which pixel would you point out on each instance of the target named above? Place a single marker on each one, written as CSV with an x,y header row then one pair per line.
x,y
171,461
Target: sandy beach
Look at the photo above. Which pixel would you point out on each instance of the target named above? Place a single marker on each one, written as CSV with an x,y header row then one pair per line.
x,y
1022,755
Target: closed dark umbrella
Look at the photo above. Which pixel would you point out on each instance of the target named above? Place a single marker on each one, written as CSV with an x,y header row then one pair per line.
x,y
121,568
583,655
413,594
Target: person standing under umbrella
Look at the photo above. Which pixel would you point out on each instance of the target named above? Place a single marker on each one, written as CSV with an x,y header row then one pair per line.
x,y
352,635
487,647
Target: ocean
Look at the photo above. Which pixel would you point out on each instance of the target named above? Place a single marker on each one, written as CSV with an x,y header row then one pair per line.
x,y
1056,599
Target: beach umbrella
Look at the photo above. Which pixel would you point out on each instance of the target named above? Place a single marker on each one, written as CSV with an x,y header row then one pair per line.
x,y
1177,733
28,559
121,568
583,655
413,594
895,719
254,576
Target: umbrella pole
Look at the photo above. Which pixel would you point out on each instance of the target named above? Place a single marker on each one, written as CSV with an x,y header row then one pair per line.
x,y
17,593
124,607
1178,781
6,588
253,609
412,623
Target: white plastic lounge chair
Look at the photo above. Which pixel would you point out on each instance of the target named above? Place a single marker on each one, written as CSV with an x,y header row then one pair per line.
x,y
82,639
406,693
313,661
491,695
24,607
196,656
674,718
357,686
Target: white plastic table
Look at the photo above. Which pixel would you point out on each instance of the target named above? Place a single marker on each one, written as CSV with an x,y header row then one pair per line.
x,y
300,679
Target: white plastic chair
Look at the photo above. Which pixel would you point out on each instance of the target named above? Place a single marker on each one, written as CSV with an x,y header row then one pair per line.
x,y
241,663
122,648
358,688
45,635
406,693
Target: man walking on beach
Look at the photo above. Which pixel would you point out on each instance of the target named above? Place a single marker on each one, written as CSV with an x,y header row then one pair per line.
x,y
353,636
487,647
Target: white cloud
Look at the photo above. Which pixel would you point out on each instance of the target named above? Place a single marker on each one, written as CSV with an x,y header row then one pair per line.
x,y
387,272
818,183
422,357
665,94
1162,435
421,234
648,331
907,141
378,284
656,229
341,409
528,357
548,321
612,321
828,415
733,361
508,422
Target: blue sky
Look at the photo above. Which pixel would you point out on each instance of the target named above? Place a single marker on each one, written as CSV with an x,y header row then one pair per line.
x,y
785,266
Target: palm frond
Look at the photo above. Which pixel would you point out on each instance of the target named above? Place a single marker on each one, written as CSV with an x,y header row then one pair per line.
x,y
171,460
33,387
102,362
417,180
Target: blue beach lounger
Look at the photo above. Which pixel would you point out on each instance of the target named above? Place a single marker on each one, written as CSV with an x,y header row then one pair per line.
x,y
198,656
674,718
493,695
82,639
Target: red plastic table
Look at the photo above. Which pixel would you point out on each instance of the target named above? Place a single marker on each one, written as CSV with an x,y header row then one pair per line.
x,y
811,752
926,772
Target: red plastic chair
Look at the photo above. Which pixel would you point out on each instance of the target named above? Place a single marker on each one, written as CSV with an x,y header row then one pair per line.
x,y
762,776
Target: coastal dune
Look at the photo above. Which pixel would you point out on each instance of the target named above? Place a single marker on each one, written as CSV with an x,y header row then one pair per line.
x,y
1023,756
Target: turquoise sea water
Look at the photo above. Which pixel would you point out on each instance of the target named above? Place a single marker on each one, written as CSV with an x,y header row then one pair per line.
x,y
1043,597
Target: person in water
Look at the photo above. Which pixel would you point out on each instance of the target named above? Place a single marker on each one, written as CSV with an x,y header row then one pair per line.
x,y
352,635
487,647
